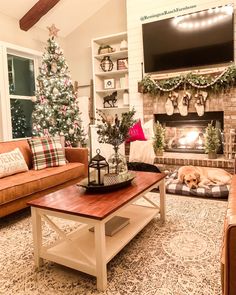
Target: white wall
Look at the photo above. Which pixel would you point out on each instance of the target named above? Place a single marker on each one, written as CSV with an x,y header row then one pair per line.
x,y
34,38
140,8
110,19
11,34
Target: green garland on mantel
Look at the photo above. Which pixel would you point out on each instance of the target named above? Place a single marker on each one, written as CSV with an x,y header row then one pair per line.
x,y
210,82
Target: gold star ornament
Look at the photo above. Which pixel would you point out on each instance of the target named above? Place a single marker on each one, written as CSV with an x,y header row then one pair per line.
x,y
53,31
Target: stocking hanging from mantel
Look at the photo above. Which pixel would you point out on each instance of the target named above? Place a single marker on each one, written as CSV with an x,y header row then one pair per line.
x,y
171,103
201,97
184,103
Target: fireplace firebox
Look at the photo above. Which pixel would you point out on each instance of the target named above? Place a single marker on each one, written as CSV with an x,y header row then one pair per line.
x,y
186,133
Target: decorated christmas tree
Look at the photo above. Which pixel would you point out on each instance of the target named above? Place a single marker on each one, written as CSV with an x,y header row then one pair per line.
x,y
18,119
56,107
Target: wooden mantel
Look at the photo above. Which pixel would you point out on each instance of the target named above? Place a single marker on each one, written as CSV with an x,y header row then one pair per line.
x,y
35,13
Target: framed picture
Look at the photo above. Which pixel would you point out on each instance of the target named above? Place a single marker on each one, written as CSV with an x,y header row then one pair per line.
x,y
122,63
109,83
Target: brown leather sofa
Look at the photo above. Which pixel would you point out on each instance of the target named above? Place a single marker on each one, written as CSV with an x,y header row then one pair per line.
x,y
16,190
228,257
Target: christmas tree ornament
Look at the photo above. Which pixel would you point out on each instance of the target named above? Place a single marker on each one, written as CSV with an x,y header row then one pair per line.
x,y
71,131
54,67
55,90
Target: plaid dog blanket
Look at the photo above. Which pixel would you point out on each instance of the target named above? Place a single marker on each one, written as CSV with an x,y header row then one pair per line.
x,y
215,191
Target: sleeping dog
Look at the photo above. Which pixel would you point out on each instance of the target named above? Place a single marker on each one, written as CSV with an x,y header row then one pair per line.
x,y
194,176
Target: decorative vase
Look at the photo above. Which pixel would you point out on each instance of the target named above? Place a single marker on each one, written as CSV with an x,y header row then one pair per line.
x,y
212,155
117,162
123,45
126,97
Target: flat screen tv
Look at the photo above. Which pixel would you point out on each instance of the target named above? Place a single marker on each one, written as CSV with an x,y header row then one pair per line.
x,y
199,39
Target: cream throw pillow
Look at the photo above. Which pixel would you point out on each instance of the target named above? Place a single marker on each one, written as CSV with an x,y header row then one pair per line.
x,y
12,162
148,129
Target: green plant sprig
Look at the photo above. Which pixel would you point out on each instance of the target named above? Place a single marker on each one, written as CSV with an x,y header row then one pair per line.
x,y
208,82
115,133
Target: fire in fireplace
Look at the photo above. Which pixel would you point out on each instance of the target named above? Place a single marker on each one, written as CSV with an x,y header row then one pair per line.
x,y
186,134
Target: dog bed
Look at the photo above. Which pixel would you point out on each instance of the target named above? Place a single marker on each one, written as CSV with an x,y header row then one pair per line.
x,y
215,191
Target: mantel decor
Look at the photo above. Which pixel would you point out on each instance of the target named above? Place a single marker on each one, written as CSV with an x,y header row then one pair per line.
x,y
210,82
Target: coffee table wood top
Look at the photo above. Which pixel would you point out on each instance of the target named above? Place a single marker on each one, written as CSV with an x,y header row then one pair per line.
x,y
75,200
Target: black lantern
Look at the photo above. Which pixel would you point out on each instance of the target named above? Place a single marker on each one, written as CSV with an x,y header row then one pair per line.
x,y
106,64
97,167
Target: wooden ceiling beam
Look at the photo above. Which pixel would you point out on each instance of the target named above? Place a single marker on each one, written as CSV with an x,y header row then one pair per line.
x,y
35,13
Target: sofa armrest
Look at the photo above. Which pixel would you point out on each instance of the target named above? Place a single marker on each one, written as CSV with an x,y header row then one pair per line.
x,y
229,244
230,257
78,155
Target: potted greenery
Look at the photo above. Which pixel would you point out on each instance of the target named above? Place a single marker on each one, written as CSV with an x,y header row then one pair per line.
x,y
159,139
212,141
115,132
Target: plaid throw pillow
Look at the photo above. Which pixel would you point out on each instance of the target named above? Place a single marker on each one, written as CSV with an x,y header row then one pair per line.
x,y
47,152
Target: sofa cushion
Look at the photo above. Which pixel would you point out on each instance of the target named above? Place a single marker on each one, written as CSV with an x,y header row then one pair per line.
x,y
47,152
26,183
12,162
23,145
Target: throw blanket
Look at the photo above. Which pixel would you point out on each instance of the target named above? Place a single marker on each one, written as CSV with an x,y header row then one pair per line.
x,y
142,151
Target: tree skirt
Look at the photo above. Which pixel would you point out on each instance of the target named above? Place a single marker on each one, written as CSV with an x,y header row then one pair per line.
x,y
180,257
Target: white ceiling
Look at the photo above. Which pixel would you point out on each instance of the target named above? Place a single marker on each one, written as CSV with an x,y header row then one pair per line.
x,y
67,15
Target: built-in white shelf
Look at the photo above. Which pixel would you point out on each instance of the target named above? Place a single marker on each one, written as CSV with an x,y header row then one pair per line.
x,y
119,78
111,90
115,54
115,108
112,73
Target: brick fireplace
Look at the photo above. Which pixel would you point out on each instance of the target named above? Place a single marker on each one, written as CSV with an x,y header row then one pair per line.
x,y
222,102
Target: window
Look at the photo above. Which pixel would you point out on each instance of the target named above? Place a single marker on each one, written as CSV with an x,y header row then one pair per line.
x,y
18,70
21,80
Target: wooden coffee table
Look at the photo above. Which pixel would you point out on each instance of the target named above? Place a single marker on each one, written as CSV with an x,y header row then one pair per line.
x,y
82,249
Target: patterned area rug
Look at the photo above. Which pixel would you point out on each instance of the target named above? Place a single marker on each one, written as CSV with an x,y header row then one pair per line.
x,y
180,257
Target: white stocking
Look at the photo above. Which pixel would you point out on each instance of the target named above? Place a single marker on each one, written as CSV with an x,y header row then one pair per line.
x,y
183,104
183,109
169,107
200,109
200,103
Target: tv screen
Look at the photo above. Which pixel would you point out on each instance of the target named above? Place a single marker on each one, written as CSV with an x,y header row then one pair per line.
x,y
199,39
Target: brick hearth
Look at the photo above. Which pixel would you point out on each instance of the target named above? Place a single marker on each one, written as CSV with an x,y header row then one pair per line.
x,y
225,102
171,161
